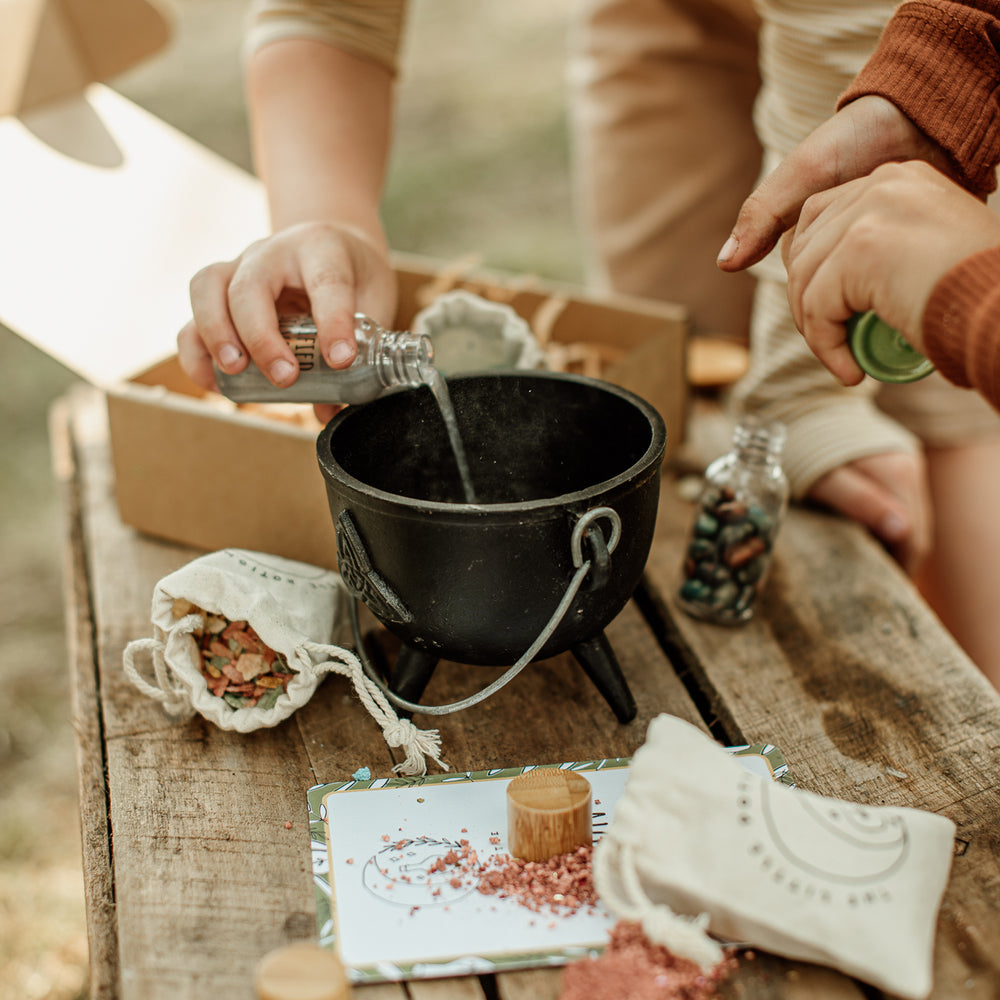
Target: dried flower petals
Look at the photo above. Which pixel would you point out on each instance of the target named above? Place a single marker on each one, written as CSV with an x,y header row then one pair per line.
x,y
236,664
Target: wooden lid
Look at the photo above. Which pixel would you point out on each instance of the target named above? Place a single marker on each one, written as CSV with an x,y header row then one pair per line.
x,y
548,813
301,972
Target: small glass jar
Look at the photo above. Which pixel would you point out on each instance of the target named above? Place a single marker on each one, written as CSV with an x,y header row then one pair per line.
x,y
739,511
385,359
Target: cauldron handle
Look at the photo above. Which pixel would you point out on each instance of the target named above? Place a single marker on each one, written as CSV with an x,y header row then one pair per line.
x,y
582,568
601,559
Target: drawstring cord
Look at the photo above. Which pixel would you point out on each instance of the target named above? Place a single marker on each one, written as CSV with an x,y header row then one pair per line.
x,y
685,937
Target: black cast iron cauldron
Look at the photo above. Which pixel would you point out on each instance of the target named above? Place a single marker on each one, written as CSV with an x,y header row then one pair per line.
x,y
477,583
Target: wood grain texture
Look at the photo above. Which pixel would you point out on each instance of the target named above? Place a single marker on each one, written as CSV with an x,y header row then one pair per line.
x,y
847,670
99,889
192,876
548,814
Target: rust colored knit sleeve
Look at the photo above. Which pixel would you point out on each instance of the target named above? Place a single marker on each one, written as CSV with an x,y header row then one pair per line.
x,y
939,63
961,324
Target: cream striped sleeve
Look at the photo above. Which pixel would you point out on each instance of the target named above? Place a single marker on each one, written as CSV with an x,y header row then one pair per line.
x,y
372,29
810,50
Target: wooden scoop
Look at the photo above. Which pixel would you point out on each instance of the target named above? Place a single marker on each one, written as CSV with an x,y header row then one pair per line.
x,y
301,972
548,813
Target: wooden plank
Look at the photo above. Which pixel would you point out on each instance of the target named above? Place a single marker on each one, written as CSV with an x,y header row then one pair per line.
x,y
461,988
379,991
206,877
549,713
99,895
530,984
851,675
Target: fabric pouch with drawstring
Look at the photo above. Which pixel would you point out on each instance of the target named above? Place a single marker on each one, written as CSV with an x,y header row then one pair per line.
x,y
296,611
701,850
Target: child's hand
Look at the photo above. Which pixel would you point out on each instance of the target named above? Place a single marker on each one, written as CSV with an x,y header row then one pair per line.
x,y
888,495
881,242
866,133
328,271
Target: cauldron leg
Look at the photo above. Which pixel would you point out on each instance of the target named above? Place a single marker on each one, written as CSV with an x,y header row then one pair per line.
x,y
411,674
601,665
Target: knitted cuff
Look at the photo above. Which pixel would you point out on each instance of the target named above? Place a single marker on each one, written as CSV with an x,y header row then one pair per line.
x,y
937,63
960,322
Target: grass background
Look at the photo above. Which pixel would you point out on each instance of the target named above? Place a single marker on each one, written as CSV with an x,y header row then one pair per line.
x,y
480,165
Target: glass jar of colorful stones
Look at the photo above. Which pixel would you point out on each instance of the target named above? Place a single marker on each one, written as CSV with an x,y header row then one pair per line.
x,y
738,514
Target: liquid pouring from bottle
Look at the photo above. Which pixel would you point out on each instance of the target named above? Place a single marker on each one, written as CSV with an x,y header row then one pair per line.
x,y
386,359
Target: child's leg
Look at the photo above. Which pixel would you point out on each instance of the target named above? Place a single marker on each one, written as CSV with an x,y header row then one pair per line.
x,y
664,148
961,580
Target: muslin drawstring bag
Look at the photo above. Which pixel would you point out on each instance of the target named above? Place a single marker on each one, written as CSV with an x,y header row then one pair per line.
x,y
470,333
699,845
295,609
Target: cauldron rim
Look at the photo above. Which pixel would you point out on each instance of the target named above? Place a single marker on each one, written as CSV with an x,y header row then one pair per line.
x,y
649,461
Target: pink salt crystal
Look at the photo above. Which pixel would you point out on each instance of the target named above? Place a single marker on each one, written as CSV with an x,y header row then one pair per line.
x,y
544,885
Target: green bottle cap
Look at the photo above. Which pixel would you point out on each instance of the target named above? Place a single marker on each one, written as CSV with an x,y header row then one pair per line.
x,y
883,352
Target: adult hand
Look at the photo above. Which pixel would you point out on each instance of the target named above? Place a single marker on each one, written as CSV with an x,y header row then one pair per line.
x,y
861,136
888,495
329,271
881,242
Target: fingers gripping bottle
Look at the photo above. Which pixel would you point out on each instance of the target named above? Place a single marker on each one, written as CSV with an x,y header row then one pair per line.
x,y
385,359
739,511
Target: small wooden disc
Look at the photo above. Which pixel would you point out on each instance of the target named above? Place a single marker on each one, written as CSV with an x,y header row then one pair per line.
x,y
301,972
713,363
548,813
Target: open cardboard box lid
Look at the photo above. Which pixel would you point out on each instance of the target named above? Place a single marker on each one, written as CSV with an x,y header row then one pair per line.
x,y
107,212
54,48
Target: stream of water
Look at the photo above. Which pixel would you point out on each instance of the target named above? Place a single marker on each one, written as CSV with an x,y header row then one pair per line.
x,y
439,387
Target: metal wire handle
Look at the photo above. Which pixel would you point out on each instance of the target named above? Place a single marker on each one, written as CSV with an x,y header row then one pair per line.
x,y
582,568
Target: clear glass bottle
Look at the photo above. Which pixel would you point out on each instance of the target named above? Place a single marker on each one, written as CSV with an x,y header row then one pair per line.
x,y
739,511
384,359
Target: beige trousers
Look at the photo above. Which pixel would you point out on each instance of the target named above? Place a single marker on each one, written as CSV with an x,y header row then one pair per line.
x,y
670,125
665,149
679,106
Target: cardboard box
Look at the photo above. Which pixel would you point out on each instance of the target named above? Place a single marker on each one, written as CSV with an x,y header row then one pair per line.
x,y
186,471
109,214
50,49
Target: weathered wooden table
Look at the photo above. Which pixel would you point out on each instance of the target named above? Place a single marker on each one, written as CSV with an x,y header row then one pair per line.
x,y
191,875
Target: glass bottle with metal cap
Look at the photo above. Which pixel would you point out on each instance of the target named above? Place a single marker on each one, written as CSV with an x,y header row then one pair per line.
x,y
385,359
883,352
741,506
